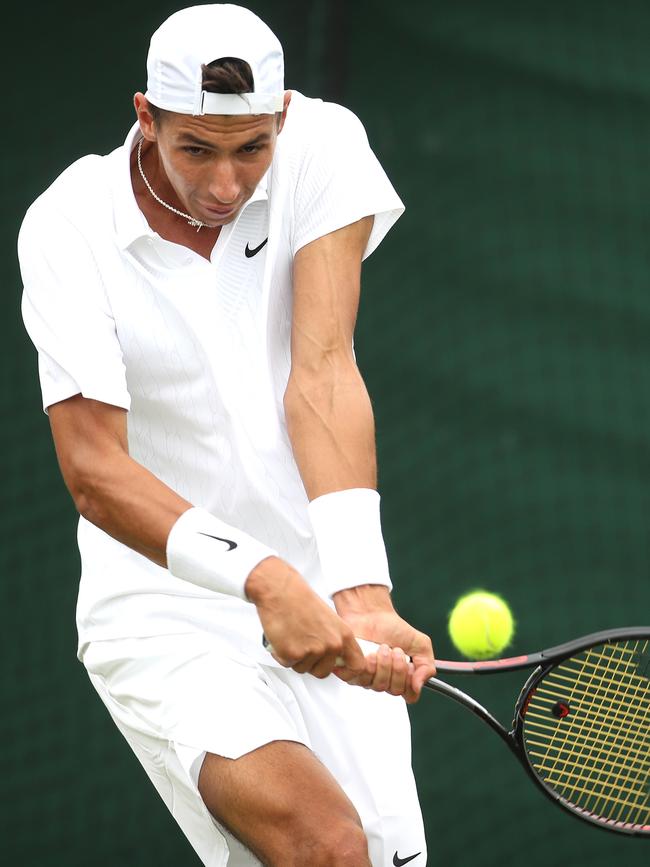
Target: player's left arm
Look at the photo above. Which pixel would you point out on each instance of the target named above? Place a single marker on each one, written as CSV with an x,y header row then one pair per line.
x,y
331,427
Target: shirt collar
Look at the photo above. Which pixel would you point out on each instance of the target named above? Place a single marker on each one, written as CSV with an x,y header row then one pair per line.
x,y
130,222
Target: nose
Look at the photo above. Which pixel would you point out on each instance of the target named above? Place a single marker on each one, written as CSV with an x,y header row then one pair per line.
x,y
224,186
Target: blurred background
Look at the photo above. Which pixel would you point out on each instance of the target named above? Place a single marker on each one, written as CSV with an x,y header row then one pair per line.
x,y
504,335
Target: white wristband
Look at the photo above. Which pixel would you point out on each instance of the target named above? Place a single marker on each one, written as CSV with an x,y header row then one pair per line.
x,y
208,552
347,527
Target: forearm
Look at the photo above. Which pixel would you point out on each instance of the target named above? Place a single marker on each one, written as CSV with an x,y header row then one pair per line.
x,y
135,507
329,414
129,503
331,428
332,432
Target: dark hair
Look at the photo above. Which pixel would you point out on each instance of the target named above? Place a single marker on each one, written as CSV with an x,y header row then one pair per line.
x,y
226,75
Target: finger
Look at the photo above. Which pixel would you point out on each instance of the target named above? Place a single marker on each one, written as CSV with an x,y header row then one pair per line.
x,y
284,661
355,669
422,652
399,679
421,673
422,656
359,678
381,679
304,665
325,665
412,692
425,667
287,661
352,656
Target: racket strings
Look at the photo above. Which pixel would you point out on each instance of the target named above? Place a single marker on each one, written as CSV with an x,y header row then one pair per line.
x,y
610,711
612,764
598,756
611,773
636,719
607,782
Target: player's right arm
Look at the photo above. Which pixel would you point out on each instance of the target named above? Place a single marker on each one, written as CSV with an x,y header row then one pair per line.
x,y
108,487
124,499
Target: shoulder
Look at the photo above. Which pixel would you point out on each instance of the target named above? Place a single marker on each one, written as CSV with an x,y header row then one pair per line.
x,y
305,111
313,125
79,195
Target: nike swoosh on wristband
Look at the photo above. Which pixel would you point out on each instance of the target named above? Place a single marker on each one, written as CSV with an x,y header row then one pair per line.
x,y
398,862
231,545
250,253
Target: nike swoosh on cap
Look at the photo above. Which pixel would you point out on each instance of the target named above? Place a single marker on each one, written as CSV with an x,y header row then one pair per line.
x,y
250,253
229,542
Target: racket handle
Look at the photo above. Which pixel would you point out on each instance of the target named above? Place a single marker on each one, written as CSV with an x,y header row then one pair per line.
x,y
367,647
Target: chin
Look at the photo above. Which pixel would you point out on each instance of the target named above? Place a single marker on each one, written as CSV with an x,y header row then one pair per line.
x,y
215,222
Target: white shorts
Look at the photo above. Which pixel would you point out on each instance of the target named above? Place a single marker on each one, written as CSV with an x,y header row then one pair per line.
x,y
176,697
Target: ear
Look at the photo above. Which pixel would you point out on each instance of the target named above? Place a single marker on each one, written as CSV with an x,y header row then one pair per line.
x,y
283,117
145,119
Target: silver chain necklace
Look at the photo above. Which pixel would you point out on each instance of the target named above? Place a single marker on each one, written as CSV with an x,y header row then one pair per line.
x,y
191,220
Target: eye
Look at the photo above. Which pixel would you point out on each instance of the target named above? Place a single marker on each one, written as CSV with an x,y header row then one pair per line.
x,y
250,149
194,151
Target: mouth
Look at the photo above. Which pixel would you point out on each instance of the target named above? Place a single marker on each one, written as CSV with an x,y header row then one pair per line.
x,y
220,213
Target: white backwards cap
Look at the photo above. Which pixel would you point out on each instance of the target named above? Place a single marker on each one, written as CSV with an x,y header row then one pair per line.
x,y
201,34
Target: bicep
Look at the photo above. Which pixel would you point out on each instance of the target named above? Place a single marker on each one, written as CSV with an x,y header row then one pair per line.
x,y
326,289
86,433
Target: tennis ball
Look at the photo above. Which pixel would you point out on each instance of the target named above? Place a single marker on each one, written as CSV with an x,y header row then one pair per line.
x,y
481,625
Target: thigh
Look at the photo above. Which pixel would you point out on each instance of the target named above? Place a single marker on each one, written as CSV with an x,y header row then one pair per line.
x,y
285,806
364,739
177,698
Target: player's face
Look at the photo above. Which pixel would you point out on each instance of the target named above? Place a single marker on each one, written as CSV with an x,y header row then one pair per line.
x,y
215,162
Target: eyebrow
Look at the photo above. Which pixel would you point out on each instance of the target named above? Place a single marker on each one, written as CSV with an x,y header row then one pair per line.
x,y
189,138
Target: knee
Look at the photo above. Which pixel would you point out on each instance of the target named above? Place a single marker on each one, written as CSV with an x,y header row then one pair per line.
x,y
341,845
350,848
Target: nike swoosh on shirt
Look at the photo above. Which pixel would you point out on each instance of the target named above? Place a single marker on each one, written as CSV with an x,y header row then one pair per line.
x,y
398,862
231,545
250,253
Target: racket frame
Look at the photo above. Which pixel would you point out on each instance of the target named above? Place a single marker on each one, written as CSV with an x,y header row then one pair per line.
x,y
543,662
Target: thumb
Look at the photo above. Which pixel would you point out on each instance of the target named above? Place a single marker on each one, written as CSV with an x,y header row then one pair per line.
x,y
353,655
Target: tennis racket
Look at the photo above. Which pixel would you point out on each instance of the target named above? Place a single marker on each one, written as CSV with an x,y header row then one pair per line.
x,y
581,726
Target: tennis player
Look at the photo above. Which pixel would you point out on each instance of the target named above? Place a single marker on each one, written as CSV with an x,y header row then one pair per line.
x,y
193,297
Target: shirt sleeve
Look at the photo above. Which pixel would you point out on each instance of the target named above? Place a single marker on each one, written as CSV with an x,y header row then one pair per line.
x,y
340,181
67,313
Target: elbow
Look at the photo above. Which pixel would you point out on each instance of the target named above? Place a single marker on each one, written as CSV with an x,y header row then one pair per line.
x,y
293,396
85,505
85,490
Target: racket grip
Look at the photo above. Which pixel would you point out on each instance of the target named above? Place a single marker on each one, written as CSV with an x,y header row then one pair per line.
x,y
367,647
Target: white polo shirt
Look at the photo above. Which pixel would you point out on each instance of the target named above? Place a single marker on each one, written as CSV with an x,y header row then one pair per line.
x,y
197,351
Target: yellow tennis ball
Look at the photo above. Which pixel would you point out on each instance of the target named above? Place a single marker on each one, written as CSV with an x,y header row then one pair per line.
x,y
481,625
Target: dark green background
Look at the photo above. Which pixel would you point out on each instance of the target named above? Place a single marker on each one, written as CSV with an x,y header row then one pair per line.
x,y
503,336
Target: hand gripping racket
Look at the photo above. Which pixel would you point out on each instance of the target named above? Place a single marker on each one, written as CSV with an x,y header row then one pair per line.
x,y
581,726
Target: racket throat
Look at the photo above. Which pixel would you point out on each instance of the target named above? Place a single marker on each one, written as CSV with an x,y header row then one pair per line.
x,y
478,710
